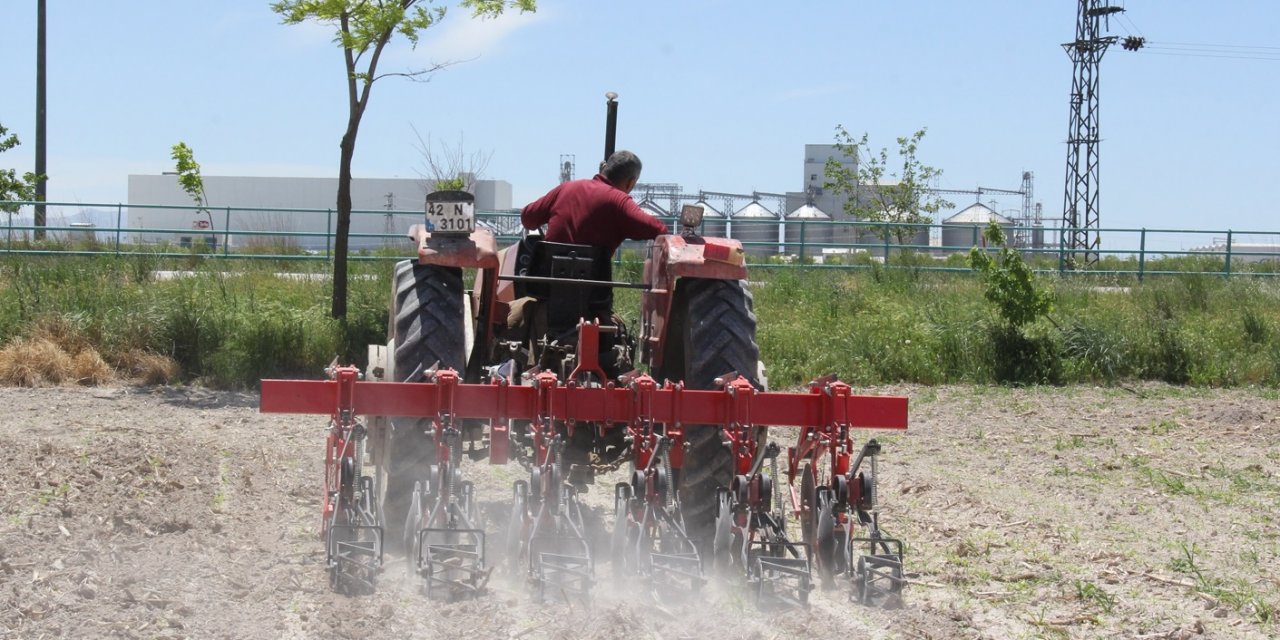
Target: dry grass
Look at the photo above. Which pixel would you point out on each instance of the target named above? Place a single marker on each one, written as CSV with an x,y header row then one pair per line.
x,y
89,369
57,352
61,332
147,368
34,362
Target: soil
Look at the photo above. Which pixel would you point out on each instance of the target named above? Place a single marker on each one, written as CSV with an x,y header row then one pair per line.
x,y
1070,512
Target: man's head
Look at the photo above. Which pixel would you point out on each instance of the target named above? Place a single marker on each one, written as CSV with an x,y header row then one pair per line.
x,y
622,170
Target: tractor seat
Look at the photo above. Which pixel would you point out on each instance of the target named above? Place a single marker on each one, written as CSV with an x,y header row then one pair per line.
x,y
566,303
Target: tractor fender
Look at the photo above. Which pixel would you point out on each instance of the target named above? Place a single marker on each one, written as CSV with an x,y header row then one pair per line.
x,y
477,251
672,257
698,257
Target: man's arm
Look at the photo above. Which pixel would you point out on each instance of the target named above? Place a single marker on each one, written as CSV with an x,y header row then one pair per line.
x,y
636,224
537,213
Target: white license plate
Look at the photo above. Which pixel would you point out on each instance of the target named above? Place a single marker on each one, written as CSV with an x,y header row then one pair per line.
x,y
451,218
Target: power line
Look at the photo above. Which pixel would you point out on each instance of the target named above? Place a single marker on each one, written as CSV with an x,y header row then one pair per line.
x,y
1217,46
1200,55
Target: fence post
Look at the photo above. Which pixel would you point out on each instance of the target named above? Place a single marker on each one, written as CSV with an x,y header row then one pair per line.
x,y
802,224
885,231
1062,247
1228,253
328,235
119,208
1142,254
226,231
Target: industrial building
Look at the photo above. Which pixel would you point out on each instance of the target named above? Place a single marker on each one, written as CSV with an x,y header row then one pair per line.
x,y
271,211
277,208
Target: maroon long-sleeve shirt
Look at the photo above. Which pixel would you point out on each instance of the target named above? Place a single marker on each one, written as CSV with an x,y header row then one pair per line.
x,y
591,212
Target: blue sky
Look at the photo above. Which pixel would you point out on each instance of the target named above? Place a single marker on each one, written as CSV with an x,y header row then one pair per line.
x,y
714,94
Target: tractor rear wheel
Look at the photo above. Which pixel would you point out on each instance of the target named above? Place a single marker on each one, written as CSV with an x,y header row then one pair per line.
x,y
427,325
717,335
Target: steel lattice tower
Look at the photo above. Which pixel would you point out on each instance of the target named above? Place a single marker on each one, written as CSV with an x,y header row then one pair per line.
x,y
1080,235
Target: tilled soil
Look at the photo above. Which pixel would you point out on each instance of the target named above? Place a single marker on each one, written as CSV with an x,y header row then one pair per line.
x,y
1073,512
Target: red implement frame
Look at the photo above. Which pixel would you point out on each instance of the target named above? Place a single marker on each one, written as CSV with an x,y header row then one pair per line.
x,y
825,414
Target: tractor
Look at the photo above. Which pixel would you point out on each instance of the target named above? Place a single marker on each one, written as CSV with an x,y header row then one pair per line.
x,y
528,364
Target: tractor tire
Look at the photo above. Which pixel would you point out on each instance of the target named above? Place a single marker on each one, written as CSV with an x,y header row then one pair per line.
x,y
428,327
717,336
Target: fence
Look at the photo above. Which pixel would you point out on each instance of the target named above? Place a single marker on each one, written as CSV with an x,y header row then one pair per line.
x,y
308,234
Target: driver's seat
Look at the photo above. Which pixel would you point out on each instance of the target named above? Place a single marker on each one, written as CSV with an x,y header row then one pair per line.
x,y
565,304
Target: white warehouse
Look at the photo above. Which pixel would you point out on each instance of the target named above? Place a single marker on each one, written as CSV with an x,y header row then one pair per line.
x,y
283,206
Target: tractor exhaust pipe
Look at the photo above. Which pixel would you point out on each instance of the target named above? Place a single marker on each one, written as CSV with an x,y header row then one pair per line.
x,y
610,125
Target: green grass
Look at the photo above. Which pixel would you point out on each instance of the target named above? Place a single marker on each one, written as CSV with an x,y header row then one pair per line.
x,y
224,328
233,322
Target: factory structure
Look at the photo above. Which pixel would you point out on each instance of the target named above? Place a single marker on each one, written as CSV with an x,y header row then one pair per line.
x,y
812,221
816,222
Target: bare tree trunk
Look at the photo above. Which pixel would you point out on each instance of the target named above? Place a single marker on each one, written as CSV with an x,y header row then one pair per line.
x,y
339,308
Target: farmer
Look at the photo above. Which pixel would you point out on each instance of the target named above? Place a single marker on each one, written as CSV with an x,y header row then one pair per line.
x,y
597,212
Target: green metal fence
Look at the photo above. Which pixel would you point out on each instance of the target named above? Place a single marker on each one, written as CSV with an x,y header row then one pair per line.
x,y
308,234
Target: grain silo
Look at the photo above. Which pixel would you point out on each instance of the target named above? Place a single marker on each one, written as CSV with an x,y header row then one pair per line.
x,y
964,229
808,230
757,228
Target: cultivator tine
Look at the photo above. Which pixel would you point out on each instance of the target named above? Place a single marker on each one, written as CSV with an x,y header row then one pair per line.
x,y
878,578
680,570
560,559
678,566
452,561
354,557
780,570
781,581
567,575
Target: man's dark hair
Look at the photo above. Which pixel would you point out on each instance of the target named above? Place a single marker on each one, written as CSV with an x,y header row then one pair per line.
x,y
621,166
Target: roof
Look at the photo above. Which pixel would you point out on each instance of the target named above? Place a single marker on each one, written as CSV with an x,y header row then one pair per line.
x,y
808,212
977,213
708,211
652,208
755,210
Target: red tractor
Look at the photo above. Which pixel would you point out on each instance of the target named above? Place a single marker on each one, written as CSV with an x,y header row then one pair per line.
x,y
529,364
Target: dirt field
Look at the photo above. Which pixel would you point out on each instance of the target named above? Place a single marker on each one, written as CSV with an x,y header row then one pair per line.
x,y
1082,513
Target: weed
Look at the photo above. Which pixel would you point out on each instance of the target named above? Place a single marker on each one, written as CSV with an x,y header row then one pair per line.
x,y
1092,593
1075,442
220,497
49,495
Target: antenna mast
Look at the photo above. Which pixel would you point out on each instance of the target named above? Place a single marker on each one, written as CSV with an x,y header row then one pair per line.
x,y
1080,224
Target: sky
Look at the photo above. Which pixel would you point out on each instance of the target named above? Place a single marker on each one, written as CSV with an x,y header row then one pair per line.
x,y
717,95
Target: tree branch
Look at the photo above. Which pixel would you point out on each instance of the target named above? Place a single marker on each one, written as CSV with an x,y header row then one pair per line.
x,y
416,76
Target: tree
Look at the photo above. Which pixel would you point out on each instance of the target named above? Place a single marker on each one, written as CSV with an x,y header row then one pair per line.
x,y
189,178
13,187
1011,285
363,29
877,195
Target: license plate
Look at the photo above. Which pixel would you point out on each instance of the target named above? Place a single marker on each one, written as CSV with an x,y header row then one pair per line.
x,y
451,218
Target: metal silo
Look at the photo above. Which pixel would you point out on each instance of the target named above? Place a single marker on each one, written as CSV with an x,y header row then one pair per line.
x,y
808,230
713,222
757,228
964,229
